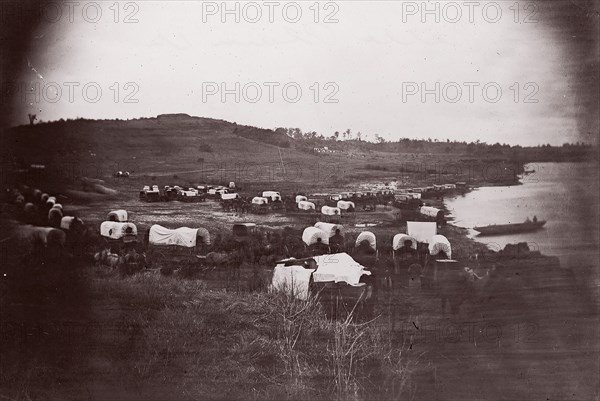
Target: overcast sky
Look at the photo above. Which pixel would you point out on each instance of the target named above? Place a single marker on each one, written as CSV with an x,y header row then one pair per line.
x,y
364,70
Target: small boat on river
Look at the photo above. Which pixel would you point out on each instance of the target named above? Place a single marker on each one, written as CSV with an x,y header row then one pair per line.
x,y
501,229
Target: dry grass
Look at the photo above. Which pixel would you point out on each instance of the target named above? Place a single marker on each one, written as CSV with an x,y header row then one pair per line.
x,y
263,345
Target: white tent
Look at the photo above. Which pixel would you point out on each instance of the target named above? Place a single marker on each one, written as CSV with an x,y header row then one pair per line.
x,y
182,236
304,205
398,241
118,215
369,236
421,231
117,230
440,243
329,228
310,235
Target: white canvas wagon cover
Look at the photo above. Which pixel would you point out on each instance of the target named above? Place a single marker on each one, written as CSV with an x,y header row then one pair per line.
x,y
398,241
440,243
118,215
310,235
330,211
345,205
338,267
329,228
257,200
117,230
304,205
67,221
301,198
182,236
430,211
294,280
368,236
229,196
270,194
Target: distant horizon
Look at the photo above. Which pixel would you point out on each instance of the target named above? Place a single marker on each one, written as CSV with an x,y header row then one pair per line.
x,y
369,139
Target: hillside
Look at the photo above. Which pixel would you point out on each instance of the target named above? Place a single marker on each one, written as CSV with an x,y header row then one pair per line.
x,y
199,149
180,149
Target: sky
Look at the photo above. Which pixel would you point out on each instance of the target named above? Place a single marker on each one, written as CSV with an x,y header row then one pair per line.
x,y
491,71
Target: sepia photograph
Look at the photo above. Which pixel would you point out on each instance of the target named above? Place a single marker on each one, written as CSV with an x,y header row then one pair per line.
x,y
345,200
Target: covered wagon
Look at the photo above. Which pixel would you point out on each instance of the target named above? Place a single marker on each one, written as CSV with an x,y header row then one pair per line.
x,y
259,200
340,283
242,231
432,212
68,223
176,245
330,211
271,195
301,198
367,236
259,204
118,215
399,239
365,249
116,234
306,206
310,236
346,206
54,216
229,197
36,238
329,228
439,243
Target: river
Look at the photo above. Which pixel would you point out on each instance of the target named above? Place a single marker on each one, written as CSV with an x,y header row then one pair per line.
x,y
564,194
